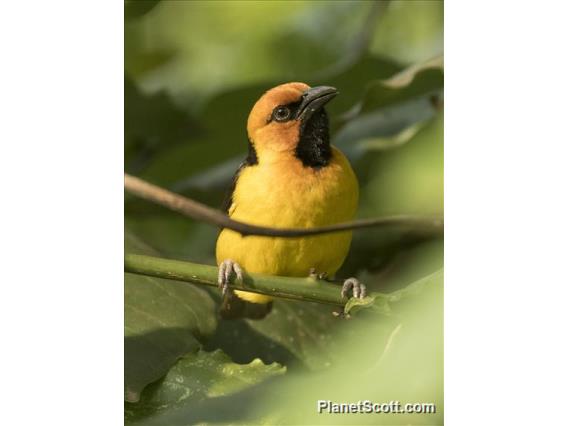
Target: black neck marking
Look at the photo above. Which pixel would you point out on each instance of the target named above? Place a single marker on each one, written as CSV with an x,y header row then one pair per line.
x,y
251,159
314,149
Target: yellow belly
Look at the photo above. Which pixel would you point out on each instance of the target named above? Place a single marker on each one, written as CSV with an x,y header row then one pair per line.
x,y
289,195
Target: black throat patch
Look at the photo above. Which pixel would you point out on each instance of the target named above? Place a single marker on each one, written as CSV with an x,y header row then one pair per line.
x,y
314,149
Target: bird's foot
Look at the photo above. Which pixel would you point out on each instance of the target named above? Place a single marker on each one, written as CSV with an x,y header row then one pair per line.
x,y
226,268
359,289
321,276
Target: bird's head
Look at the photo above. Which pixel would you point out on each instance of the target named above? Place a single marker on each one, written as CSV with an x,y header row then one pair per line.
x,y
291,118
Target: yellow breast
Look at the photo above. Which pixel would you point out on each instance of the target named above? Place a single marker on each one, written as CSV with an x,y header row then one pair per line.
x,y
285,194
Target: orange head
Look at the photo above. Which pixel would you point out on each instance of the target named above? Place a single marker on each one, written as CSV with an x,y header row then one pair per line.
x,y
290,118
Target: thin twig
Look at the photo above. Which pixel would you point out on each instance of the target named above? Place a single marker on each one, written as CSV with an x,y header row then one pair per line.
x,y
201,212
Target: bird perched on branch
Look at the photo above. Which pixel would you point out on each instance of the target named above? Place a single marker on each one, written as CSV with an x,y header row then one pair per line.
x,y
291,178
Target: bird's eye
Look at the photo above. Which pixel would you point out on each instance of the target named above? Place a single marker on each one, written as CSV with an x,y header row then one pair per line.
x,y
281,113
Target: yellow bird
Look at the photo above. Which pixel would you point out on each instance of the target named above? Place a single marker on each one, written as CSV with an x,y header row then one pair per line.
x,y
291,178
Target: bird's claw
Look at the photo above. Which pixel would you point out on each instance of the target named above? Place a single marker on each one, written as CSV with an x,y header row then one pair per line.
x,y
314,275
226,268
359,289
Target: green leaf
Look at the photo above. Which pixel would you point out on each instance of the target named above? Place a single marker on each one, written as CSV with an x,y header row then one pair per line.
x,y
415,81
375,301
409,74
305,329
308,331
163,320
392,142
197,377
391,110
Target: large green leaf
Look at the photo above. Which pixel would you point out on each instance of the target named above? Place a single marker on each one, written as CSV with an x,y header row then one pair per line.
x,y
197,377
305,329
163,320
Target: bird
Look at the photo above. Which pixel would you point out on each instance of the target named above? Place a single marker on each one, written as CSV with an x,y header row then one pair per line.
x,y
292,177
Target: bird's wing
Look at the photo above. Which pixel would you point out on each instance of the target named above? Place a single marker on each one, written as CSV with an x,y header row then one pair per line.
x,y
250,160
228,201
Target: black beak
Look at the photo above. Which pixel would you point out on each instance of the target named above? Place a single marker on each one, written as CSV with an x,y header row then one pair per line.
x,y
314,99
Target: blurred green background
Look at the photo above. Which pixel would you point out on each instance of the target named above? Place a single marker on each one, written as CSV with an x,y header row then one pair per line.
x,y
193,70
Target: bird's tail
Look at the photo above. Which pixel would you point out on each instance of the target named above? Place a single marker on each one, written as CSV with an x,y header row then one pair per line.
x,y
233,307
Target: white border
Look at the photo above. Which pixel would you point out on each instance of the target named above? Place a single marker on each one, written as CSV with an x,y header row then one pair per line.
x,y
61,161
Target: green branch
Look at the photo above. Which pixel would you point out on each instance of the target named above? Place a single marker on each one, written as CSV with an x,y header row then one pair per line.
x,y
306,289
